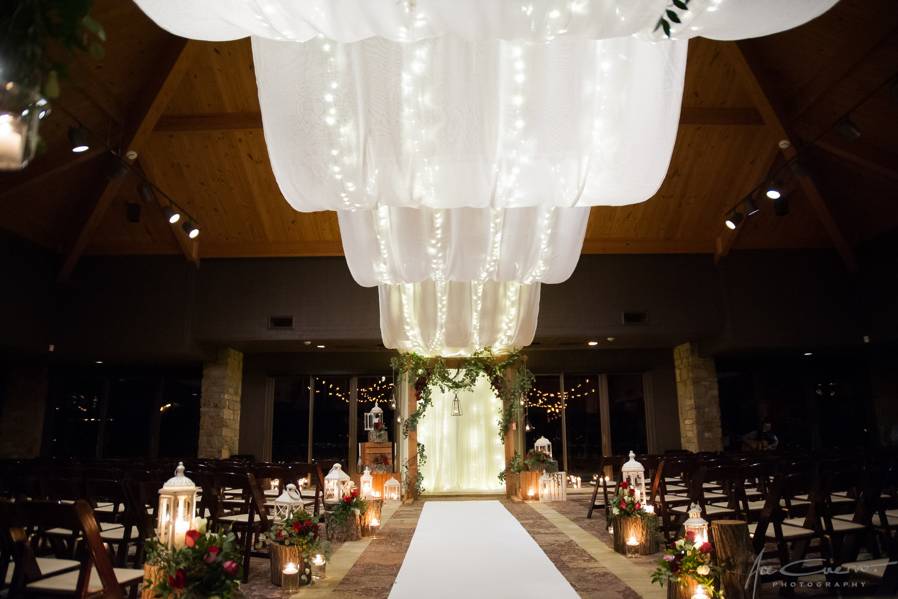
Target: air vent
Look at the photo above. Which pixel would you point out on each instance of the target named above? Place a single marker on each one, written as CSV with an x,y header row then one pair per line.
x,y
280,323
634,317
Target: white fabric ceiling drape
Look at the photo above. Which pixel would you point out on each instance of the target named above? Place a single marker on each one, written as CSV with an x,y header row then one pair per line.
x,y
462,143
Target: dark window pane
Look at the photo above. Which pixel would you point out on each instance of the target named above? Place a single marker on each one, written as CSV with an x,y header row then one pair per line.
x,y
179,417
290,435
627,407
76,414
584,425
330,436
543,414
128,419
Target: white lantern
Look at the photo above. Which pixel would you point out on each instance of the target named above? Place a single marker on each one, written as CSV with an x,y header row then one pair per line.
x,y
633,473
543,445
287,503
367,483
21,110
372,418
392,490
697,525
177,501
334,482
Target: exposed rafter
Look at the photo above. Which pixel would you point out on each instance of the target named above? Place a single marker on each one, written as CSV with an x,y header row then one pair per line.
x,y
140,124
771,111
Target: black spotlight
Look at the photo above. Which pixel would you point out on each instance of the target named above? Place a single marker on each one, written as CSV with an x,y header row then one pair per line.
x,y
733,220
172,216
78,138
781,206
191,229
750,207
847,129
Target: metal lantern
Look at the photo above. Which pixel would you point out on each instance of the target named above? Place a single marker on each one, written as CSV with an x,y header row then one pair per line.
x,y
334,482
697,525
392,490
633,473
374,417
177,501
287,502
21,110
456,405
367,483
543,445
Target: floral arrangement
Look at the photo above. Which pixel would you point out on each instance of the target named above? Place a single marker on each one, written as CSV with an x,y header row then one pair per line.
x,y
688,559
208,565
351,504
300,529
515,466
537,461
625,502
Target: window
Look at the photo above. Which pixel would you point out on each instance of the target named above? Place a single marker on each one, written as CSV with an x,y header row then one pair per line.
x,y
542,417
330,432
627,407
179,416
371,389
290,435
584,424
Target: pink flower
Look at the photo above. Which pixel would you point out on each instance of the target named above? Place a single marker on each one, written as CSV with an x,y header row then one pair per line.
x,y
212,555
230,567
668,558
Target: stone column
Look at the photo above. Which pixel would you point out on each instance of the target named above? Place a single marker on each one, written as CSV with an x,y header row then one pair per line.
x,y
220,405
22,413
698,400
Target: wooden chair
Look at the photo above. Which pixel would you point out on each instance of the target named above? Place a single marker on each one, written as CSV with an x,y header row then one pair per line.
x,y
251,520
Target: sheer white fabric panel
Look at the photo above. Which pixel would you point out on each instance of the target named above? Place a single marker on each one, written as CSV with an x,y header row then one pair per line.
x,y
353,20
464,453
457,318
406,245
447,123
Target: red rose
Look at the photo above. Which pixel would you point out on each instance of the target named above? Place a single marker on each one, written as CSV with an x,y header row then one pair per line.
x,y
624,485
191,537
355,492
690,536
178,581
632,492
623,504
638,506
705,548
280,534
296,526
230,567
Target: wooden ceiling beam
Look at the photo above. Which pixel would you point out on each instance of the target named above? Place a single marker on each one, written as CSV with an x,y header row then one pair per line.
x,y
646,246
864,156
228,121
761,91
150,106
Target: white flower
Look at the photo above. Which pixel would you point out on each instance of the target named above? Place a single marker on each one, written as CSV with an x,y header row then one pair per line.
x,y
200,525
703,570
615,511
680,542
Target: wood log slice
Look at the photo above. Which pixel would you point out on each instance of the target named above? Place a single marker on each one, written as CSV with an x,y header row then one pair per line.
x,y
735,556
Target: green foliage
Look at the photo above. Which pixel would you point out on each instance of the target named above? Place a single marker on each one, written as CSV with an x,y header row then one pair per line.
x,y
671,15
207,566
686,560
348,506
38,37
537,461
515,466
300,529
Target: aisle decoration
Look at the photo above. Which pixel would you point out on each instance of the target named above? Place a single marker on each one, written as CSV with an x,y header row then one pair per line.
x,y
207,565
293,540
508,376
287,503
634,526
336,484
177,508
688,564
344,522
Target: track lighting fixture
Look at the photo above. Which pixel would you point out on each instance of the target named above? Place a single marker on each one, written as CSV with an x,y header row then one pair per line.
x,y
191,229
773,192
78,138
750,207
733,220
172,216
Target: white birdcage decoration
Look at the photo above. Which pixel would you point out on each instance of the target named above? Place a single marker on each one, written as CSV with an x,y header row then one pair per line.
x,y
366,483
543,445
552,487
177,505
287,503
392,490
372,418
633,473
334,482
697,525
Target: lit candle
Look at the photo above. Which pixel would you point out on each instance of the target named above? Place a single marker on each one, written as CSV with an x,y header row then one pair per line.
x,y
649,508
632,546
275,483
181,528
531,493
12,143
319,567
290,577
700,593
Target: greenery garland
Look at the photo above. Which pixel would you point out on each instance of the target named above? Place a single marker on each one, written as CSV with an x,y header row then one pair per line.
x,y
508,376
671,16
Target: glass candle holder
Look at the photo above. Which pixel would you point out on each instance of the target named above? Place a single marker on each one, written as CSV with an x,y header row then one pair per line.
x,y
632,546
319,567
290,577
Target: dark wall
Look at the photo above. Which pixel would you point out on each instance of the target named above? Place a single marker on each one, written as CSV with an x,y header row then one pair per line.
x,y
27,306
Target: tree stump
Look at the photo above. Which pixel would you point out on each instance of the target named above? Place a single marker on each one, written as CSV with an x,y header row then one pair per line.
x,y
684,589
735,556
373,512
644,529
348,530
529,485
281,555
151,576
512,484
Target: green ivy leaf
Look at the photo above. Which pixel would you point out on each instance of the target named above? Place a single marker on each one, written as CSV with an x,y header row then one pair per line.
x,y
680,4
664,25
673,16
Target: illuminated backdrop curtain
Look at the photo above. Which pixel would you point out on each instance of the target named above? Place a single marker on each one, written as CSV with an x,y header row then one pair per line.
x,y
464,453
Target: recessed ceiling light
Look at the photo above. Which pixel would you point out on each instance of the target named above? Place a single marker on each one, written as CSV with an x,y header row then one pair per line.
x,y
320,346
773,193
592,343
808,353
609,339
307,343
98,362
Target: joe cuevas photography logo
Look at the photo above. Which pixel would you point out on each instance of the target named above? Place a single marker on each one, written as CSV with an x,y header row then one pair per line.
x,y
813,573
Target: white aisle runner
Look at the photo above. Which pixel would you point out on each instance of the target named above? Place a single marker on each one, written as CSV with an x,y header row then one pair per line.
x,y
474,549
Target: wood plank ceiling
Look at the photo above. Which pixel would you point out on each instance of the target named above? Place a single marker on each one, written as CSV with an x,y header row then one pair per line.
x,y
207,149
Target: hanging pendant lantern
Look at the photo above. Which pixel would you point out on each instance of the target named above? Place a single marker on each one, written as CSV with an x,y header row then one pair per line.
x,y
456,405
21,110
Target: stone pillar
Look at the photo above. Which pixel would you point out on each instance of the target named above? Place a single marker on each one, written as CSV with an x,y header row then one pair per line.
x,y
698,400
220,405
22,413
